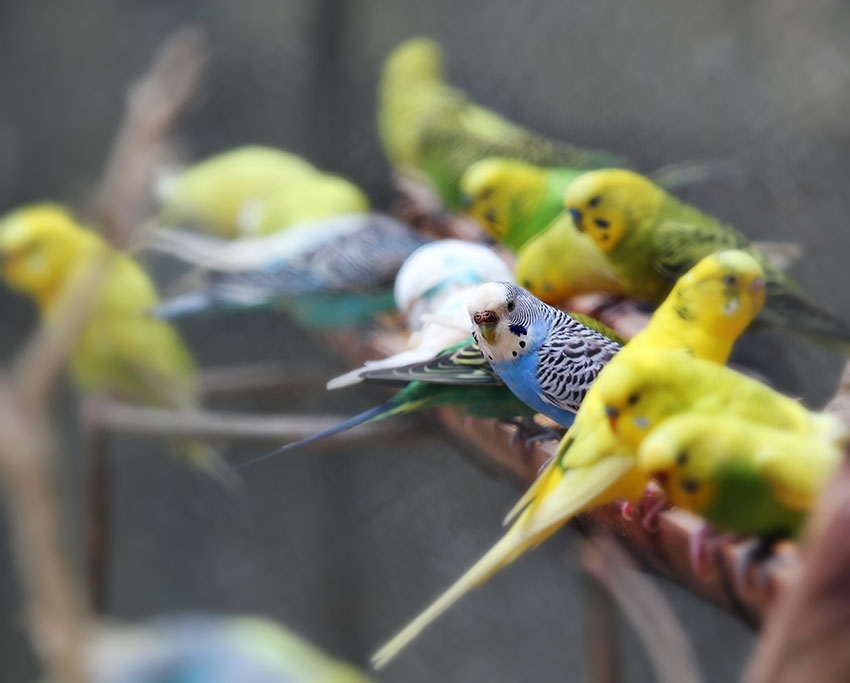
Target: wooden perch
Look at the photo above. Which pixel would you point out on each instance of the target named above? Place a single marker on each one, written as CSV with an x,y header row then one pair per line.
x,y
142,421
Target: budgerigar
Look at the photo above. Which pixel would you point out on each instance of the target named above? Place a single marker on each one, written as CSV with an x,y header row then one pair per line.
x,y
591,467
652,385
739,475
560,263
515,201
545,356
651,238
122,350
459,377
254,190
356,261
431,128
512,200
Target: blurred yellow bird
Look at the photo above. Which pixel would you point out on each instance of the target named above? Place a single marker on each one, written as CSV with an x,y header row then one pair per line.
x,y
737,474
47,255
708,309
254,190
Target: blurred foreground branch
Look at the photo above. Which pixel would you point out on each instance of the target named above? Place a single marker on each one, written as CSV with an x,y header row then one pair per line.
x,y
154,103
58,624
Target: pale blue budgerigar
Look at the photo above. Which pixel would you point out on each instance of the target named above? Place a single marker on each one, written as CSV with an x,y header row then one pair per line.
x,y
547,358
359,254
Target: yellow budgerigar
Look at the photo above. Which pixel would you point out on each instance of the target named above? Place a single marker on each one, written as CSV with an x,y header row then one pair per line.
x,y
122,350
560,263
651,385
254,190
737,474
429,127
703,316
651,238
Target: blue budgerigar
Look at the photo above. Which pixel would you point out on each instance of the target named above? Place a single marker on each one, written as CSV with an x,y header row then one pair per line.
x,y
547,358
350,254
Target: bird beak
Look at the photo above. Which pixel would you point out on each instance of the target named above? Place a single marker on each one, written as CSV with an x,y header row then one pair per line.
x,y
757,285
612,414
486,321
577,217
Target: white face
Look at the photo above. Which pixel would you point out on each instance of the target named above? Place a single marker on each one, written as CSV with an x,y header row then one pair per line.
x,y
492,308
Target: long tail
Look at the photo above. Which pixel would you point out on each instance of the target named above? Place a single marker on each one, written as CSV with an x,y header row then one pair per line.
x,y
798,314
510,546
687,173
381,412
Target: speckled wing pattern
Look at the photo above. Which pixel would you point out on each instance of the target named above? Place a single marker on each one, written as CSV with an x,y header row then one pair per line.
x,y
357,262
460,365
569,360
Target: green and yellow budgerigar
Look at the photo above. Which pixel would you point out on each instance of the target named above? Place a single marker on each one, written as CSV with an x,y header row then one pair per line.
x,y
561,262
430,128
704,315
739,475
651,238
122,350
254,190
512,200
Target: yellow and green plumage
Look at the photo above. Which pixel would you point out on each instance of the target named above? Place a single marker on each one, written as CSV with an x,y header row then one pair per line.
x,y
430,128
592,467
255,190
739,475
122,350
651,238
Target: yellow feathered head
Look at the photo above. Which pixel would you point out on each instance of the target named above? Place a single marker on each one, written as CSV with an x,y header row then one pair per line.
x,y
39,247
608,203
491,187
724,292
415,60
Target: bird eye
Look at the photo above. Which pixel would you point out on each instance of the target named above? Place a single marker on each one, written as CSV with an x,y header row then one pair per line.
x,y
594,201
730,280
631,400
486,193
511,305
682,458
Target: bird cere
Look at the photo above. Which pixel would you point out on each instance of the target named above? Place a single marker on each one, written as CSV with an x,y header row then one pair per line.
x,y
474,302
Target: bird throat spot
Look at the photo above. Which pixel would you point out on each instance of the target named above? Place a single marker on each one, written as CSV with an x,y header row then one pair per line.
x,y
518,329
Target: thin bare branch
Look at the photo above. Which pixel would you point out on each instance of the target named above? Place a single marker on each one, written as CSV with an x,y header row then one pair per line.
x,y
130,419
57,621
154,103
251,377
660,632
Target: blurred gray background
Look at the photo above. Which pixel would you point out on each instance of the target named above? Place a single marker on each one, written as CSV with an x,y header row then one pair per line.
x,y
345,545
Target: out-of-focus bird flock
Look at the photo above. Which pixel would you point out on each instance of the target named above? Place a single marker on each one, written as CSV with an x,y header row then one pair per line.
x,y
499,231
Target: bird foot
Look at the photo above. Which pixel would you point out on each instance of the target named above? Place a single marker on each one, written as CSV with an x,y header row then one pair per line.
x,y
703,543
754,563
646,511
528,432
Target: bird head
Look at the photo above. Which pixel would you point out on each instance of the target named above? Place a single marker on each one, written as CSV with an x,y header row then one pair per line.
x,y
414,61
502,316
684,453
607,204
490,188
39,246
723,293
639,390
